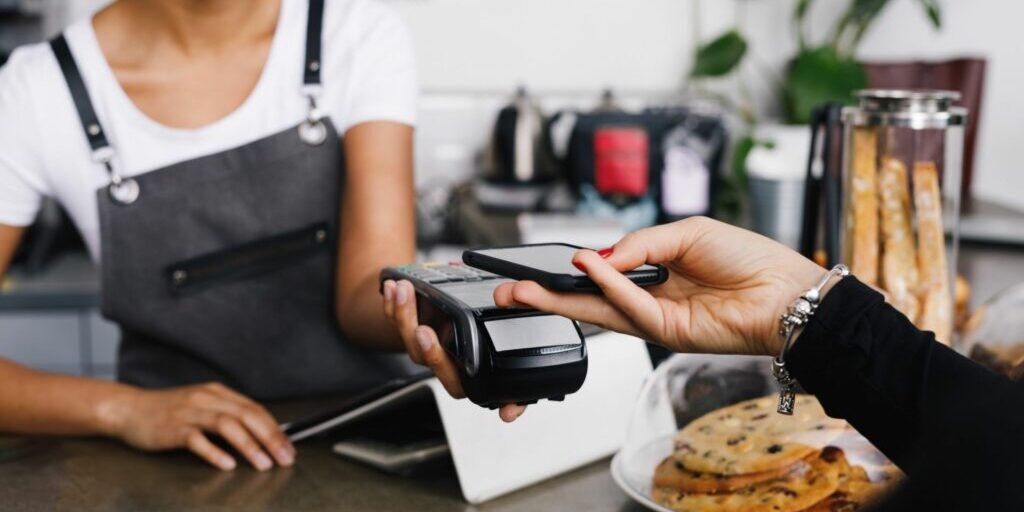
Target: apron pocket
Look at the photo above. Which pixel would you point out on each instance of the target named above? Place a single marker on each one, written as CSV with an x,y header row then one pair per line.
x,y
246,260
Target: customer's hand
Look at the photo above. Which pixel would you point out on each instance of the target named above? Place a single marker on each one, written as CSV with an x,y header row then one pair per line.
x,y
422,344
184,417
725,291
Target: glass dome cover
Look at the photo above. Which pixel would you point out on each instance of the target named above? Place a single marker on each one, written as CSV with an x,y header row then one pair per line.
x,y
688,388
994,333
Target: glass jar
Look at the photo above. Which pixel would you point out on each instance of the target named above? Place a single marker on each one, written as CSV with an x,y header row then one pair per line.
x,y
901,172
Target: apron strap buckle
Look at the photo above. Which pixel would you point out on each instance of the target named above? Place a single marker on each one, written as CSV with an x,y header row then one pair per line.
x,y
103,155
122,191
312,131
312,93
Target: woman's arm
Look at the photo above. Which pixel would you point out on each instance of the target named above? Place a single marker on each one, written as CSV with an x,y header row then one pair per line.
x,y
377,227
43,403
36,402
956,428
10,236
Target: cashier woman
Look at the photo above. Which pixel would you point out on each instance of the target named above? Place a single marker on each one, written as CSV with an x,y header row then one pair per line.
x,y
241,171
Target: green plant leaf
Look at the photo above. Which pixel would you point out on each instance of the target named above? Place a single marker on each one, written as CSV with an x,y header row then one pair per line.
x,y
728,200
744,145
816,76
933,11
739,160
720,56
865,10
734,190
801,9
799,14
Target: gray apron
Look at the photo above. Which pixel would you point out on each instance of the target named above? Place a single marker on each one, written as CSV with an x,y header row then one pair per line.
x,y
222,268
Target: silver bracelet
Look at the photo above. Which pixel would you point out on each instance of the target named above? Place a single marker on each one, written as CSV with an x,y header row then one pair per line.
x,y
797,315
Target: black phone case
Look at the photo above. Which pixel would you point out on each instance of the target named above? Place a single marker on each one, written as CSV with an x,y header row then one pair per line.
x,y
555,281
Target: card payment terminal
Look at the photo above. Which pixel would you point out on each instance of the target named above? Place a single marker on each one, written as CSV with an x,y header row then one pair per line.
x,y
504,355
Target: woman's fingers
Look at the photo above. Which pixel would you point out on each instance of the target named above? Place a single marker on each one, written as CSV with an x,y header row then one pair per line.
x,y
656,244
400,308
423,346
198,444
269,434
585,307
503,296
406,319
231,429
633,302
438,361
389,299
258,421
511,412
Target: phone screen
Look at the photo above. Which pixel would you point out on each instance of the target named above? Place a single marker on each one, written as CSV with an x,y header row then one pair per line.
x,y
554,258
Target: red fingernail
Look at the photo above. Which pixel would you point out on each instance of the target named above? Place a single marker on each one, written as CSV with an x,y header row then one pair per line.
x,y
580,266
607,251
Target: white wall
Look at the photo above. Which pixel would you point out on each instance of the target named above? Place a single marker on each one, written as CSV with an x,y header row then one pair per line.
x,y
549,44
645,46
987,28
975,28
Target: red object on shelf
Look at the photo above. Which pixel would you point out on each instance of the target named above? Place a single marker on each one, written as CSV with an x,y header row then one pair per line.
x,y
621,161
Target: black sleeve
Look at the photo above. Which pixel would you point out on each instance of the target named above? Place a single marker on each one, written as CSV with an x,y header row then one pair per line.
x,y
954,427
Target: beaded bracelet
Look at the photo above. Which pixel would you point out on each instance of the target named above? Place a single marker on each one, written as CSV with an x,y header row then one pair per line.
x,y
797,315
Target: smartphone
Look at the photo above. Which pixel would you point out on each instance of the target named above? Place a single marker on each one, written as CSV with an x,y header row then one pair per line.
x,y
551,266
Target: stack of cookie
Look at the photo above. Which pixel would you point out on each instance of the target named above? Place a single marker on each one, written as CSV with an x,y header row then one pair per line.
x,y
746,457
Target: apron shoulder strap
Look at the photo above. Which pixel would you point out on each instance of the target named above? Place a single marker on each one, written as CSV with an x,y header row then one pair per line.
x,y
314,29
80,95
87,114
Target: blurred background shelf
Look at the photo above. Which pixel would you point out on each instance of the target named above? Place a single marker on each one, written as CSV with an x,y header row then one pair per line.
x,y
50,320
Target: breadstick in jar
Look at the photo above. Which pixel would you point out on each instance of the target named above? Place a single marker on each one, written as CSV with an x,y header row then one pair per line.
x,y
862,223
936,296
899,255
961,302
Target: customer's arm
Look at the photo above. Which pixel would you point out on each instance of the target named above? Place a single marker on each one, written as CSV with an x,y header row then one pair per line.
x,y
956,428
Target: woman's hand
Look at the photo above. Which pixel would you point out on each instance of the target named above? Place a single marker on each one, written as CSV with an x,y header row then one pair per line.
x,y
422,345
725,291
183,418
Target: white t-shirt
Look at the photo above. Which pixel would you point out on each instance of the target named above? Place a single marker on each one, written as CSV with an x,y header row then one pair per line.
x,y
368,74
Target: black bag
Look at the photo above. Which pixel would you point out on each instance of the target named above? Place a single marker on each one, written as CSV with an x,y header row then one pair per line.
x,y
623,155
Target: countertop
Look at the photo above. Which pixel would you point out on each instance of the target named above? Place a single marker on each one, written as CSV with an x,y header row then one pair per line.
x,y
98,474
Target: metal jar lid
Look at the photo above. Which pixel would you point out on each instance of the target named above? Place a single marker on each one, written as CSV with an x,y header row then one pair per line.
x,y
906,108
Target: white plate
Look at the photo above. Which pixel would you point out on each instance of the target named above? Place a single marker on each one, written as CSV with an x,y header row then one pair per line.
x,y
633,470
